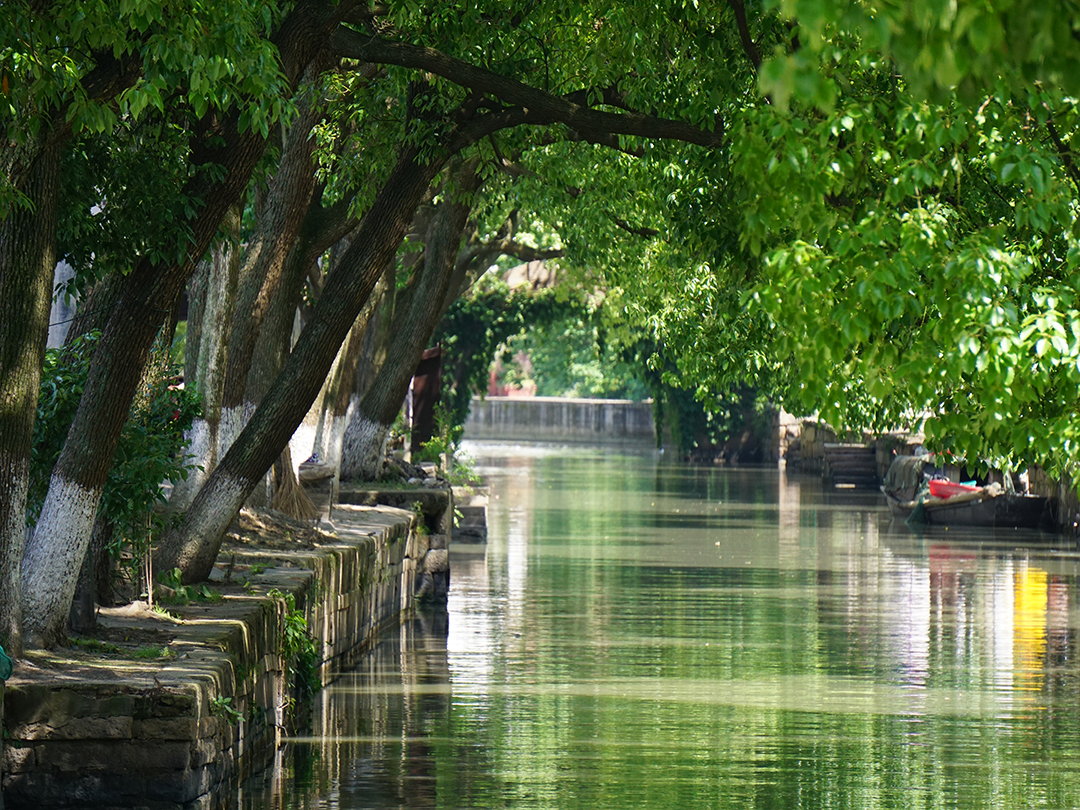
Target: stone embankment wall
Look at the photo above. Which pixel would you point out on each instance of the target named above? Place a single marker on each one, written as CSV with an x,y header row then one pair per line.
x,y
115,732
561,419
808,449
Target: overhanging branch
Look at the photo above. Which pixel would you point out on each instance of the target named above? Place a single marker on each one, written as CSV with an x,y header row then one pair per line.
x,y
636,230
535,106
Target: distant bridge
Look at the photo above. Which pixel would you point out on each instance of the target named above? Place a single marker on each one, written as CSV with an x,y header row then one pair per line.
x,y
561,419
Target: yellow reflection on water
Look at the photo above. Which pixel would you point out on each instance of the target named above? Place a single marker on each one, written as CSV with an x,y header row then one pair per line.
x,y
1029,627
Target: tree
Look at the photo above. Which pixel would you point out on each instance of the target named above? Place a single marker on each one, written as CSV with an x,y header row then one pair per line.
x,y
881,244
364,442
144,52
450,125
27,258
613,118
942,223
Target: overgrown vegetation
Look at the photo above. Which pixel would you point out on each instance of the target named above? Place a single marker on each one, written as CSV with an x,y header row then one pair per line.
x,y
299,649
475,329
172,591
573,356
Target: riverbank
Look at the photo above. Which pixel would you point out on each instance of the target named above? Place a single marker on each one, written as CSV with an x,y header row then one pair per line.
x,y
805,448
164,705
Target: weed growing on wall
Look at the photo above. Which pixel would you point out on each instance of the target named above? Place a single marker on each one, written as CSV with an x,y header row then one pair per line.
x,y
299,649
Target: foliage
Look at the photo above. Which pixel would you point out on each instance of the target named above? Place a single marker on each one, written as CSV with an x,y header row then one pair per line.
x,y
150,451
113,183
570,357
299,649
188,54
941,46
462,472
444,448
222,706
444,441
172,591
474,328
882,249
945,237
420,522
701,423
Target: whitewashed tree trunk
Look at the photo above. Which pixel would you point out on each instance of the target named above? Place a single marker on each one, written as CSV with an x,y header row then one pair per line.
x,y
53,558
339,388
213,292
364,444
150,291
27,259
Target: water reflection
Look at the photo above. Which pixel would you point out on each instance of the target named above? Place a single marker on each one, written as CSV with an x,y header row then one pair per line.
x,y
642,634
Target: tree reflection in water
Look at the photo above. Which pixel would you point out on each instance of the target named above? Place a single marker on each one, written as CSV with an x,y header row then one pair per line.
x,y
637,633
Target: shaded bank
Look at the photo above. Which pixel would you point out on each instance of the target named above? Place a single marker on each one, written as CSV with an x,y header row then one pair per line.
x,y
164,708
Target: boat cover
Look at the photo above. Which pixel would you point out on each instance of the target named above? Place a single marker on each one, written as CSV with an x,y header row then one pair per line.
x,y
905,476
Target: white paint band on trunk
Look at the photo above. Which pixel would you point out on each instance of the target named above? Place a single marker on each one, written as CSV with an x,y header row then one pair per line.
x,y
54,555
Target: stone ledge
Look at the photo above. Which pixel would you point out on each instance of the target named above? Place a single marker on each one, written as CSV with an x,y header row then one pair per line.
x,y
85,731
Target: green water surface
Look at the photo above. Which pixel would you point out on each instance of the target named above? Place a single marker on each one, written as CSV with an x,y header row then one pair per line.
x,y
642,634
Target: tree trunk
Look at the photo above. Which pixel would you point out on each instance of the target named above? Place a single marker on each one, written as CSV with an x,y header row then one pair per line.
x,y
262,274
194,546
365,437
27,261
94,307
220,150
211,298
55,550
339,390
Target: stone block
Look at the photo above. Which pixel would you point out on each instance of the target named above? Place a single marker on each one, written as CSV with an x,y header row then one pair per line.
x,y
18,758
441,584
74,790
178,786
77,728
168,703
159,747
167,728
204,752
209,726
107,756
30,703
436,560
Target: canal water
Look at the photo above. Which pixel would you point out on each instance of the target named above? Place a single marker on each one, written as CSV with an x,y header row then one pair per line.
x,y
643,634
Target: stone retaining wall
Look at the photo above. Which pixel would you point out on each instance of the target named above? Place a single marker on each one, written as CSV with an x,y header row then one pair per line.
x,y
109,732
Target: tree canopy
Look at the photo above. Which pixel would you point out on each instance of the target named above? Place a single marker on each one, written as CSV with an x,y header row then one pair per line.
x,y
865,210
893,232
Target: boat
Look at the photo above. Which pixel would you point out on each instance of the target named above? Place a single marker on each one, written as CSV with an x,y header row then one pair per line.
x,y
940,488
917,494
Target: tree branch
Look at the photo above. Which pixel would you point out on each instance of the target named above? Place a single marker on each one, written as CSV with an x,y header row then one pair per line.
x,y
648,233
1064,153
749,46
532,105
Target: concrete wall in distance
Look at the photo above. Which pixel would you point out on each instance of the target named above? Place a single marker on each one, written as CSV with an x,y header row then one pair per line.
x,y
561,419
